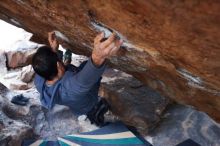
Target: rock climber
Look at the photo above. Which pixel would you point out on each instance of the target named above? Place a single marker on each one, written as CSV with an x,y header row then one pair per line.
x,y
61,83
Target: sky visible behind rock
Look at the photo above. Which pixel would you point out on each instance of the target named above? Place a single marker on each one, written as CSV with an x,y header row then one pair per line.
x,y
11,34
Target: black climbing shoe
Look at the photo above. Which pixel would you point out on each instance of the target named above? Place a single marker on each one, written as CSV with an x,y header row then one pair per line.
x,y
96,115
20,100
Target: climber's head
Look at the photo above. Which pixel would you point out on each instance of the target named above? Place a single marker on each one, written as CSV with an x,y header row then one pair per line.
x,y
47,64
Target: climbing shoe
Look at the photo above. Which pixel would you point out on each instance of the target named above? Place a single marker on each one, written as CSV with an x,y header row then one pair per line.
x,y
96,115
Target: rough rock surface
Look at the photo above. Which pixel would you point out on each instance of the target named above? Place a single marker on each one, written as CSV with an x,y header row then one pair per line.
x,y
172,46
18,123
134,103
20,54
18,85
12,132
27,74
181,123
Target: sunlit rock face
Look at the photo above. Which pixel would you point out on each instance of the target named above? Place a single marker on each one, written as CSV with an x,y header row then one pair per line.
x,y
172,46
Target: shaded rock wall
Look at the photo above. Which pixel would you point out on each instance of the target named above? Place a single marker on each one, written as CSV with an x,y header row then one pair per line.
x,y
131,101
172,46
181,123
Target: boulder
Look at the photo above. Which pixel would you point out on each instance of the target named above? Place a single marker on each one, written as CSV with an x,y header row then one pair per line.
x,y
18,85
171,46
19,79
134,103
183,122
19,59
27,74
21,54
12,131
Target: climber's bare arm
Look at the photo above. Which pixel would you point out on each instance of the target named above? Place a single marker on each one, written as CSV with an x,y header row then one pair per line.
x,y
53,42
105,49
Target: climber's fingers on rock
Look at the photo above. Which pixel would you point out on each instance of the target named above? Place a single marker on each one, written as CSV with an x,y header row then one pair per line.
x,y
98,38
52,39
107,42
116,48
51,36
109,48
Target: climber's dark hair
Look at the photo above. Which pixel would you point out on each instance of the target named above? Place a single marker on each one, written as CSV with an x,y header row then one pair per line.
x,y
44,62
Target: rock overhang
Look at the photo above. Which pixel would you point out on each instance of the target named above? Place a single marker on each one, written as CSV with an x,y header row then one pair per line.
x,y
171,46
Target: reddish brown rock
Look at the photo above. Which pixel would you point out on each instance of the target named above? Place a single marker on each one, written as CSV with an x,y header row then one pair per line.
x,y
21,54
172,46
17,59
